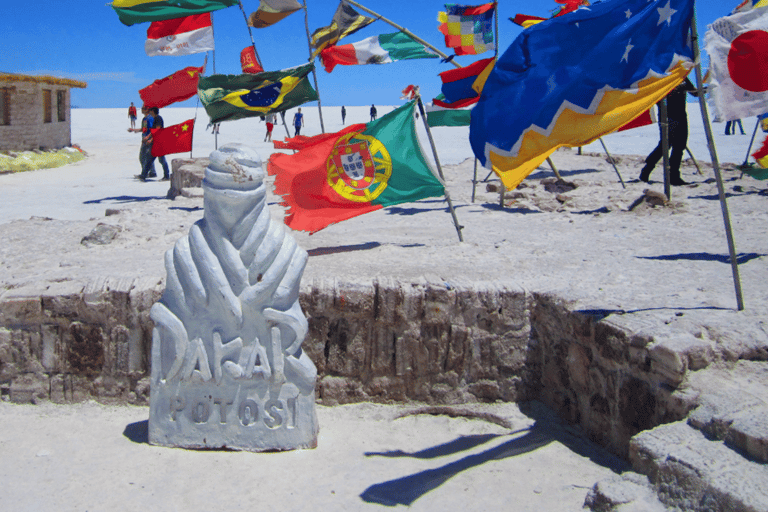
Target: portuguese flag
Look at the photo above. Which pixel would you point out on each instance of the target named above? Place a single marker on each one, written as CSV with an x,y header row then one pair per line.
x,y
132,12
337,176
231,97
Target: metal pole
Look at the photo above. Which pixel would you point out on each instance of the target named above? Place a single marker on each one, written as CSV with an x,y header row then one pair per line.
x,y
665,145
716,167
610,158
439,169
314,73
253,43
749,149
698,169
404,30
215,130
474,182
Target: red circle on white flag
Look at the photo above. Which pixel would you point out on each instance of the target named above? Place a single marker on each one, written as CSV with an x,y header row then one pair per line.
x,y
748,61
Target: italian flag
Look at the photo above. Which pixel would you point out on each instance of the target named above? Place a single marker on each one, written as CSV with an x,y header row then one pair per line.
x,y
380,49
180,36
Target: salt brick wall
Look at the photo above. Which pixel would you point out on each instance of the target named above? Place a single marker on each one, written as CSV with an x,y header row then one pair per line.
x,y
27,130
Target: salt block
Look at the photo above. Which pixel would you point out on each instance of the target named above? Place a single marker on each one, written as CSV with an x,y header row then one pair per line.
x,y
227,365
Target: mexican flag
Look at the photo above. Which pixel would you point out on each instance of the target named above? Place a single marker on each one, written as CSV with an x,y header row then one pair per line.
x,y
380,49
363,168
231,97
132,12
180,36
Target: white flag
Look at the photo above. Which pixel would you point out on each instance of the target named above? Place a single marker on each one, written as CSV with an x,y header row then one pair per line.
x,y
180,36
738,50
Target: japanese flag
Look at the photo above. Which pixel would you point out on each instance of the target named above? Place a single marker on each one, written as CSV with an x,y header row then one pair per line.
x,y
738,50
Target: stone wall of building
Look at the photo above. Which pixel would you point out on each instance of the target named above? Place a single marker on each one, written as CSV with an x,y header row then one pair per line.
x,y
27,129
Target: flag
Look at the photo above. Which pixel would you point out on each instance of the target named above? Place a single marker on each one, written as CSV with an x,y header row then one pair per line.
x,y
346,21
738,51
131,12
458,83
180,36
409,92
173,139
440,115
746,5
646,118
179,86
272,11
231,97
380,49
248,61
526,21
468,29
360,169
545,93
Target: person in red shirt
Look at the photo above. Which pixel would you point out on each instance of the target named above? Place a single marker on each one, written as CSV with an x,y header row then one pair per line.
x,y
132,115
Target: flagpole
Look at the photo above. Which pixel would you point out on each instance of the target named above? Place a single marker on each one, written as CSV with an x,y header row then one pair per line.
x,y
314,73
754,134
439,169
716,166
404,31
250,32
215,131
610,158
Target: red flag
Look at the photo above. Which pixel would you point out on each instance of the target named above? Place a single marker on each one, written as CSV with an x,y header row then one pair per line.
x,y
179,86
644,119
173,139
248,61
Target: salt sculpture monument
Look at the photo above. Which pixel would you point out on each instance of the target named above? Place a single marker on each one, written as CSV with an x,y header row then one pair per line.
x,y
227,365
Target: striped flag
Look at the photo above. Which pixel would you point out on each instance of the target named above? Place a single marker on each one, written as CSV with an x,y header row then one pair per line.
x,y
132,12
180,36
346,21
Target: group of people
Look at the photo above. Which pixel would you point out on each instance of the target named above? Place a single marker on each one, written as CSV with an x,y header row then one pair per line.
x,y
152,119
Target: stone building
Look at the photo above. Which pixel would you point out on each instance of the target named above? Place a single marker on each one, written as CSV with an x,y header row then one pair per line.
x,y
35,111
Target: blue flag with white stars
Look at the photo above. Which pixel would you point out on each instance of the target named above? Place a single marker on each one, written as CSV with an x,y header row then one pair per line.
x,y
569,80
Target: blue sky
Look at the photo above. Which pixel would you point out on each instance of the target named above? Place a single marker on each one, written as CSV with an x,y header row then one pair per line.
x,y
85,40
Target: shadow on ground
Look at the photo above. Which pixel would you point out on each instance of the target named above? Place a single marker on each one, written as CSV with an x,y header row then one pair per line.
x,y
546,429
138,432
124,199
705,256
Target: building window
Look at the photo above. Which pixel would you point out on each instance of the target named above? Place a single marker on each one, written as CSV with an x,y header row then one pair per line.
x,y
5,106
61,105
47,117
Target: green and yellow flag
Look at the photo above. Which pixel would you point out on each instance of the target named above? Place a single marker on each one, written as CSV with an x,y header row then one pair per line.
x,y
345,21
131,12
231,97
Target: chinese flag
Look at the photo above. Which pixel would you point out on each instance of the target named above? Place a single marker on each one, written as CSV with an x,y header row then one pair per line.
x,y
173,139
179,86
248,61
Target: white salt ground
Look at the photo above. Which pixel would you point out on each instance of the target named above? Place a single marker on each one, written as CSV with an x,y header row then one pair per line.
x,y
662,268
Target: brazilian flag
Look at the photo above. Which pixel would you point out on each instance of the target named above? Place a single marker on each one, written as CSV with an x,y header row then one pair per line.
x,y
231,97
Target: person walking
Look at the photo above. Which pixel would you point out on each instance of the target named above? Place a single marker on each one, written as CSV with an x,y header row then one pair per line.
x,y
270,119
145,151
298,121
343,114
373,113
730,127
132,115
159,123
677,120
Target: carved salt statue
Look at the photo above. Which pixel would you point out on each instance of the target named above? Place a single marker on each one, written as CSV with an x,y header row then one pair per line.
x,y
227,364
